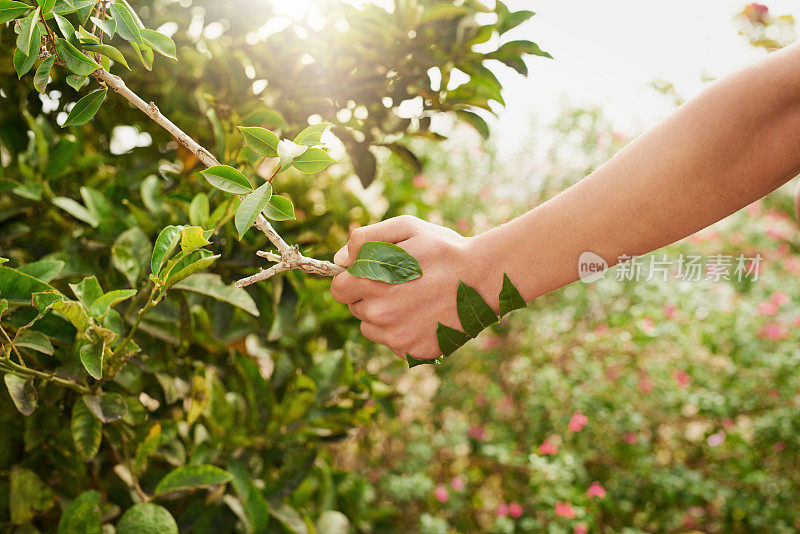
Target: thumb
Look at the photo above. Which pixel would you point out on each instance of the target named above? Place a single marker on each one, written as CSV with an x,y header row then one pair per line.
x,y
341,257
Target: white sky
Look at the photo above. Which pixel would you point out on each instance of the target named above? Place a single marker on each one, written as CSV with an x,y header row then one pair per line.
x,y
607,53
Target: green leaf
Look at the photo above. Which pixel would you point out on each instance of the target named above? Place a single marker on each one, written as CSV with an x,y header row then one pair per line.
x,y
18,287
413,362
22,392
166,242
27,497
476,121
129,253
65,8
83,515
385,262
289,518
86,431
213,286
107,407
267,118
474,313
251,207
192,268
160,43
76,61
23,63
127,27
42,75
86,108
147,518
261,140
26,40
101,306
147,447
10,9
108,51
73,312
190,477
313,160
66,28
279,209
192,239
312,135
145,55
108,26
3,306
75,81
450,339
87,290
254,502
77,210
46,5
510,299
34,340
92,359
199,210
44,270
288,151
507,21
227,179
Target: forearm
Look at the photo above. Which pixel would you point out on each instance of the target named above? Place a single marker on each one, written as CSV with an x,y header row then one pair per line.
x,y
734,143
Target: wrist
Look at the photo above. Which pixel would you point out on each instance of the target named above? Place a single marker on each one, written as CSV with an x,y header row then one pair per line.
x,y
484,267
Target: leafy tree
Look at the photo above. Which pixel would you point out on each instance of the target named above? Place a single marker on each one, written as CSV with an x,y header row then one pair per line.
x,y
144,389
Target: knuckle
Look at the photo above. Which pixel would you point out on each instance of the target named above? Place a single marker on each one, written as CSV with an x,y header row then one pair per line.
x,y
379,313
358,235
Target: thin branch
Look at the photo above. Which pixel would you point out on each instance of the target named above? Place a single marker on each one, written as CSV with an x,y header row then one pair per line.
x,y
290,255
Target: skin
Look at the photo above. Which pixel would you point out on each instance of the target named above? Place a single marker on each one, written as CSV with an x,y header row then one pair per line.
x,y
732,144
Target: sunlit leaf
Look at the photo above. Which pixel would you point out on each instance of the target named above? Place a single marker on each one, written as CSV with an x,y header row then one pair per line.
x,y
313,160
101,306
190,477
76,61
127,27
251,207
279,209
261,140
108,51
227,179
160,43
11,9
86,108
42,75
213,286
312,135
192,238
166,242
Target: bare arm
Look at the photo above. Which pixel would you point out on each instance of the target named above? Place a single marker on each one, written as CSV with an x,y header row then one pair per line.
x,y
729,146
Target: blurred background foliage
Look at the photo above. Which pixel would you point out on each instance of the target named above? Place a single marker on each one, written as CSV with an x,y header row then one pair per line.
x,y
612,407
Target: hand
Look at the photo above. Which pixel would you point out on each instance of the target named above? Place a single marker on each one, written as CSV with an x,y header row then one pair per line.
x,y
405,316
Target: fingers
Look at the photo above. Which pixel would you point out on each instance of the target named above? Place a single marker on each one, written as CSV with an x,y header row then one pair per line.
x,y
371,310
347,288
374,333
391,230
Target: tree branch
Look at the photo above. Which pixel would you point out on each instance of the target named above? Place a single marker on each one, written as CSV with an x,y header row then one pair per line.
x,y
290,257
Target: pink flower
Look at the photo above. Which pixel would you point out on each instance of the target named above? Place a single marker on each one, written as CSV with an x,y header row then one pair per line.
x,y
774,332
477,432
779,447
514,509
419,181
728,423
596,490
458,483
601,329
756,12
564,509
681,377
502,509
647,326
670,311
779,298
441,494
580,528
716,438
754,209
767,308
645,386
796,322
547,448
631,438
577,422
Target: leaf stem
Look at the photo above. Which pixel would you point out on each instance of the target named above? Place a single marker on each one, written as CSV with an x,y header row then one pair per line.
x,y
19,370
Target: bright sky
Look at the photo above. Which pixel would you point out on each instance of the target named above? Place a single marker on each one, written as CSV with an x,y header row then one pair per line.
x,y
608,52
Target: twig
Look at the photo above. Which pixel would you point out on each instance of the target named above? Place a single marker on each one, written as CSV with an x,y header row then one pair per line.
x,y
290,255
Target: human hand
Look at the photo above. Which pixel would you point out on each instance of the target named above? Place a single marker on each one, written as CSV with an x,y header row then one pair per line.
x,y
405,316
